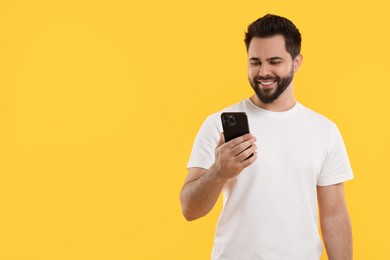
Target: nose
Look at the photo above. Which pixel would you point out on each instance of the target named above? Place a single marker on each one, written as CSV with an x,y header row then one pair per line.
x,y
264,70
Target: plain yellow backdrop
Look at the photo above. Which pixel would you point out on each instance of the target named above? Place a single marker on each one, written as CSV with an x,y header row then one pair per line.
x,y
100,102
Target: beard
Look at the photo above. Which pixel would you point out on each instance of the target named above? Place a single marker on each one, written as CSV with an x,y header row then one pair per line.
x,y
268,96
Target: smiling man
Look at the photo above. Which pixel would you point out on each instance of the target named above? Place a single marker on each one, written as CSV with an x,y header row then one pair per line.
x,y
299,164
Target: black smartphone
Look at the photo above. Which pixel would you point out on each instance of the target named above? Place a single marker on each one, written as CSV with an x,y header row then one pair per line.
x,y
234,124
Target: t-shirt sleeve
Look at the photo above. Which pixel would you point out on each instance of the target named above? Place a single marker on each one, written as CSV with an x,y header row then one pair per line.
x,y
336,167
202,154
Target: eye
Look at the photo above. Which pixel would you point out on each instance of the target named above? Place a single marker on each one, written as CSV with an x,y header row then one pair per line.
x,y
274,62
254,62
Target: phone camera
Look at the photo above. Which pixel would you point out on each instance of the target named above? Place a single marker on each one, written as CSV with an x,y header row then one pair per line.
x,y
229,120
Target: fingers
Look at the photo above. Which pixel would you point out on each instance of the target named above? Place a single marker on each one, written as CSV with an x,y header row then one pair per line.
x,y
245,154
240,139
233,156
250,160
239,146
243,145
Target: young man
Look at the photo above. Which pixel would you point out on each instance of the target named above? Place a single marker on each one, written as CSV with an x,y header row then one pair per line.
x,y
299,159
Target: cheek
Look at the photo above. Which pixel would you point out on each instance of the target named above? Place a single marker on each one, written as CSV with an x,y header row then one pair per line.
x,y
252,73
282,72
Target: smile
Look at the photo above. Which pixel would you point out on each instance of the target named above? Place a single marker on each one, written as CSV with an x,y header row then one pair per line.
x,y
266,82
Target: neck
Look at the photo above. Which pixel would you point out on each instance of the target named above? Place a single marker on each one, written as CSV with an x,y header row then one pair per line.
x,y
283,103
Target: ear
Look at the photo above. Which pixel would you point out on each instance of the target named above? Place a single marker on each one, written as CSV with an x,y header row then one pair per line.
x,y
297,62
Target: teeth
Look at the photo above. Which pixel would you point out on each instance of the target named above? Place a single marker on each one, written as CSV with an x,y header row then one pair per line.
x,y
266,83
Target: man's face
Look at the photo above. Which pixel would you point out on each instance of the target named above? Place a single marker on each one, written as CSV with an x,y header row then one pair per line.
x,y
270,67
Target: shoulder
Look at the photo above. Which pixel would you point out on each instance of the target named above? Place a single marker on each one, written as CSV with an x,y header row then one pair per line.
x,y
317,125
317,119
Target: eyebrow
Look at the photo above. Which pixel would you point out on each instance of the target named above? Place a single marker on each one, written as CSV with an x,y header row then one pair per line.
x,y
269,59
275,58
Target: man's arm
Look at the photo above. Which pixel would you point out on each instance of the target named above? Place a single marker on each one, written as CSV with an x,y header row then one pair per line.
x,y
200,192
335,223
202,187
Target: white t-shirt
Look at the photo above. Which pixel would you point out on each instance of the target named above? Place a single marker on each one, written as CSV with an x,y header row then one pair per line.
x,y
270,209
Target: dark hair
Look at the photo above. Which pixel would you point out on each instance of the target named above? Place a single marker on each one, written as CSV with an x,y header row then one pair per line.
x,y
270,25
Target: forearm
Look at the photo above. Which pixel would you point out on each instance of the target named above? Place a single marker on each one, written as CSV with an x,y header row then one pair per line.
x,y
202,188
199,196
337,235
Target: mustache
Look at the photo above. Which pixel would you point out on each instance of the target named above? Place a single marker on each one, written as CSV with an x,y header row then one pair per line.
x,y
276,78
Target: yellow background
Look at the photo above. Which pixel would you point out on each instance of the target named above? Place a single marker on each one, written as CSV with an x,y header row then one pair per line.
x,y
100,102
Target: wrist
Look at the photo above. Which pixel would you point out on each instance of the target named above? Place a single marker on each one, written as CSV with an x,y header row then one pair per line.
x,y
215,174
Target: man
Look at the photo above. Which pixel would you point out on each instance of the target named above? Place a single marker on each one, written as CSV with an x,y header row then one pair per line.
x,y
299,159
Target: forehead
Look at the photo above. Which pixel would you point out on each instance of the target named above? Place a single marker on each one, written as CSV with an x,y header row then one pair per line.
x,y
264,48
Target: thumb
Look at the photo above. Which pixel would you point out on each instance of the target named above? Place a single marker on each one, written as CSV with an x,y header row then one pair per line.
x,y
221,140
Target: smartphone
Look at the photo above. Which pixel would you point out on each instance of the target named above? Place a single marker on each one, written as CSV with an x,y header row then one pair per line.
x,y
234,124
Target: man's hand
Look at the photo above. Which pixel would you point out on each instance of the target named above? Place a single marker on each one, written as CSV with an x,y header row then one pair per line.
x,y
234,156
202,187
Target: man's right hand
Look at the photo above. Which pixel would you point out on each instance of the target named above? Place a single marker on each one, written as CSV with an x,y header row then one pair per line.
x,y
234,156
202,187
